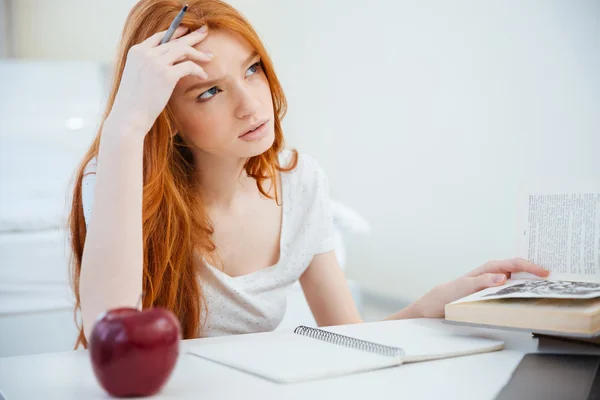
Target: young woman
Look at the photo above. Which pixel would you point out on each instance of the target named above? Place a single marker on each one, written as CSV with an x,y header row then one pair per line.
x,y
188,196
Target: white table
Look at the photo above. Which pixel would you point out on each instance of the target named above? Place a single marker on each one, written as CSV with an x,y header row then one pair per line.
x,y
68,375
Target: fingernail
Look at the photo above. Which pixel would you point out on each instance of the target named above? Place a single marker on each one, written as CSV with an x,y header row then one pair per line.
x,y
210,55
499,278
203,29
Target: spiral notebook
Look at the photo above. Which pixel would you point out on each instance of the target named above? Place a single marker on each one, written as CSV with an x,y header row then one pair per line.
x,y
311,353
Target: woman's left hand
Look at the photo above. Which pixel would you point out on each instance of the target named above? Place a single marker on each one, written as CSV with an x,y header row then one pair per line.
x,y
493,273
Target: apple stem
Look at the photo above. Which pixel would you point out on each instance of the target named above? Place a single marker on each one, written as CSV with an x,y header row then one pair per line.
x,y
140,300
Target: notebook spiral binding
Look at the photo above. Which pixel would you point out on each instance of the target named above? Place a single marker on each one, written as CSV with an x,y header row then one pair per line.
x,y
336,338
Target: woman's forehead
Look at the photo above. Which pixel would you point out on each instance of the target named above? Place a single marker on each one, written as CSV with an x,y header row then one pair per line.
x,y
226,44
230,52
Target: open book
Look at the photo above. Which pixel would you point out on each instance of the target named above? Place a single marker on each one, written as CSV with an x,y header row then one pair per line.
x,y
315,353
559,230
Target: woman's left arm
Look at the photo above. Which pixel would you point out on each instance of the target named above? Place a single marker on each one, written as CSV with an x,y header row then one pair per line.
x,y
331,302
327,292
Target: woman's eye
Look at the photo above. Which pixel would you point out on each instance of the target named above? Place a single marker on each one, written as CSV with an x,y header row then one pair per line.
x,y
254,68
209,93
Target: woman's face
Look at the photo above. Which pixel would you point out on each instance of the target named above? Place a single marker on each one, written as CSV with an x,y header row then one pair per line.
x,y
217,115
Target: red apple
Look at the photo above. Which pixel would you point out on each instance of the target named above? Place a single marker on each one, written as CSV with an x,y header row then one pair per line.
x,y
133,352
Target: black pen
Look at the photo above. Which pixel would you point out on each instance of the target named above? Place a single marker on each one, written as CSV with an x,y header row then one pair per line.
x,y
174,25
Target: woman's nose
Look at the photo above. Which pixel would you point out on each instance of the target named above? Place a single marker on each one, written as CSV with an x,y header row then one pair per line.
x,y
248,103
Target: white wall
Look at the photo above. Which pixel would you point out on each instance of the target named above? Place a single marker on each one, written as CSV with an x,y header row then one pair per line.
x,y
424,114
4,40
68,29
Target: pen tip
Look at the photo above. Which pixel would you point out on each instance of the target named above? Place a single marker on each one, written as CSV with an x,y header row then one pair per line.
x,y
185,7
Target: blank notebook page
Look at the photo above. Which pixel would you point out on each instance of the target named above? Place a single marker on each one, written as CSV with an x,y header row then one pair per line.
x,y
420,343
288,357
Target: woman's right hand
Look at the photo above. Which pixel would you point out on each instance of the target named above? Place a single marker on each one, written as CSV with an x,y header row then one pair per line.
x,y
150,75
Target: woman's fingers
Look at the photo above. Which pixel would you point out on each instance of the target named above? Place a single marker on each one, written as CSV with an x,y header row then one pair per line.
x,y
474,284
187,68
155,39
523,265
193,38
509,266
178,52
189,40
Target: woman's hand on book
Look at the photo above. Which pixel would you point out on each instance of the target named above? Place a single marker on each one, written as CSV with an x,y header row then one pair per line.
x,y
493,273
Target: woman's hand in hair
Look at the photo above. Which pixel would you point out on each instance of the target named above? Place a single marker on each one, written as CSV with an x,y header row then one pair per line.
x,y
150,75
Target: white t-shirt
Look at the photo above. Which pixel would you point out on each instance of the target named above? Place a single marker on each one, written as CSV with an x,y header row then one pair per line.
x,y
256,302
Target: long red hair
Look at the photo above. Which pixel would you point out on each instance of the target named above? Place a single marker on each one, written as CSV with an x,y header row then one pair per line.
x,y
175,224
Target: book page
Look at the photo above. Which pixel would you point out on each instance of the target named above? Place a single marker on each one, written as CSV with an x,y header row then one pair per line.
x,y
559,229
536,289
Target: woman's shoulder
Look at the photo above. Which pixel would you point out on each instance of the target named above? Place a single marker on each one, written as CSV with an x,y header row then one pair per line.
x,y
307,169
308,178
306,189
88,184
306,166
90,167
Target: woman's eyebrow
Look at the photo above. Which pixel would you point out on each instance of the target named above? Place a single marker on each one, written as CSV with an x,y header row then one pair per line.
x,y
201,84
212,82
250,58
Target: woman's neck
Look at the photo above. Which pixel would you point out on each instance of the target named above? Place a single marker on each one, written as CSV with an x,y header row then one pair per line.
x,y
222,180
